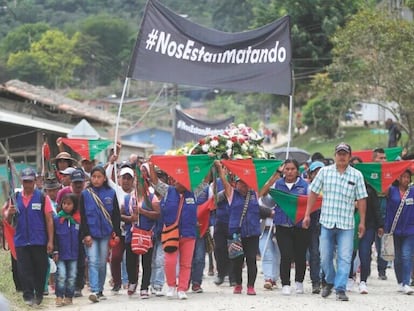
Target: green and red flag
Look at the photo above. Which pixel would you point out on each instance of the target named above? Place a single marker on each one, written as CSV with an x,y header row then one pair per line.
x,y
8,232
294,206
188,170
203,215
380,175
86,148
254,172
392,154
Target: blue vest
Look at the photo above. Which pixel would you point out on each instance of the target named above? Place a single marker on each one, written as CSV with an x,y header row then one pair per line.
x,y
99,227
188,219
145,223
222,211
251,221
300,187
67,239
31,223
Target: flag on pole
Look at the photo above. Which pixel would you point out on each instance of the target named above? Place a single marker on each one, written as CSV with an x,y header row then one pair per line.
x,y
171,48
188,170
254,172
87,149
380,175
294,206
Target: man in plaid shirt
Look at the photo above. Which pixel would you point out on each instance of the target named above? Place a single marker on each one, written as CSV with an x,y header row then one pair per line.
x,y
343,189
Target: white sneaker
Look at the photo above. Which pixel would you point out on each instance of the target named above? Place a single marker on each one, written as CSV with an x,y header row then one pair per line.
x,y
350,285
363,289
182,295
170,292
400,288
286,290
299,288
408,290
158,292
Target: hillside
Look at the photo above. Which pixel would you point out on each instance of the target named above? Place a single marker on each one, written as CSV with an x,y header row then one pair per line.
x,y
359,138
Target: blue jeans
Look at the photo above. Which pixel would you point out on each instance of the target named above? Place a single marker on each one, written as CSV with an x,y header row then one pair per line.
x,y
403,264
381,263
199,261
343,242
124,274
157,266
314,255
97,255
364,250
65,278
270,256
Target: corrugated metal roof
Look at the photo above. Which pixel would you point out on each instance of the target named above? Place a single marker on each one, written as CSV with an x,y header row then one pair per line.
x,y
60,102
30,121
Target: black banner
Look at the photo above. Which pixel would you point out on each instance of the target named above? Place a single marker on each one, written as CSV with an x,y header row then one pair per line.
x,y
189,129
170,48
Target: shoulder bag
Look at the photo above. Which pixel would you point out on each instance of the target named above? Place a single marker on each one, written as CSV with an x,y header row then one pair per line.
x,y
141,240
234,245
387,240
170,235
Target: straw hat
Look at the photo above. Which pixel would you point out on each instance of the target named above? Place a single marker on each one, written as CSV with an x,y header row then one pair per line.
x,y
64,156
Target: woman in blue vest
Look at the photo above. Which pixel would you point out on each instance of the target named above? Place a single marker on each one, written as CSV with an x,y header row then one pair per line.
x,y
142,213
100,218
174,196
404,229
244,219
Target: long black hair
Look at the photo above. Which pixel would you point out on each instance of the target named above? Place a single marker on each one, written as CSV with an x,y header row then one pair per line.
x,y
102,170
75,200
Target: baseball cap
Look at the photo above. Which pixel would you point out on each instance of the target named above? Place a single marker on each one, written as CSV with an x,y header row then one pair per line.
x,y
126,170
77,175
343,147
315,165
68,171
28,174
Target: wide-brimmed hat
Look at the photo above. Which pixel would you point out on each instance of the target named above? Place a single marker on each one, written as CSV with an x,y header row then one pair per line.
x,y
64,156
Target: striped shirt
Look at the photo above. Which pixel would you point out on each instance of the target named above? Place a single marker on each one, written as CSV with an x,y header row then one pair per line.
x,y
340,191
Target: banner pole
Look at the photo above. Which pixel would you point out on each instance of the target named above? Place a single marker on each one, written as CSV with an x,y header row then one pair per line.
x,y
290,117
121,102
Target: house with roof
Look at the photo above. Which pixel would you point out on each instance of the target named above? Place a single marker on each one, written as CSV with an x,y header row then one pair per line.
x,y
30,114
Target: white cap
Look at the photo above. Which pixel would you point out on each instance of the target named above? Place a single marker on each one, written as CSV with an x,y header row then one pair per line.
x,y
126,170
68,171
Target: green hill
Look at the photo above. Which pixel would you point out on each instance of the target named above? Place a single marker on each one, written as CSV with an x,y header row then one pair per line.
x,y
359,138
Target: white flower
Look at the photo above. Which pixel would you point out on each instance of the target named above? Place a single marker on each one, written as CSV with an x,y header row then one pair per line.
x,y
205,147
229,144
229,151
244,147
214,143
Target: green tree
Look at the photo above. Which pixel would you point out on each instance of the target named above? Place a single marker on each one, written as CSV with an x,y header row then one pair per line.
x,y
313,22
54,53
21,38
24,66
374,54
114,35
326,108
